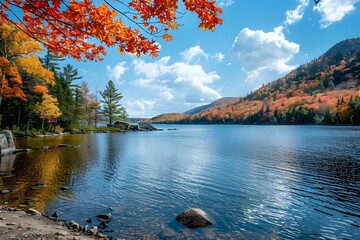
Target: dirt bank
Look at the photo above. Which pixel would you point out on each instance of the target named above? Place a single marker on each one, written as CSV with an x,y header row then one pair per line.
x,y
16,224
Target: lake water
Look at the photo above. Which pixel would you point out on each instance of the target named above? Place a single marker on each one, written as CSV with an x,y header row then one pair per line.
x,y
256,182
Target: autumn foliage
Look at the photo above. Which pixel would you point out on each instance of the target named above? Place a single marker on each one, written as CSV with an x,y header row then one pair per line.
x,y
68,28
324,91
20,69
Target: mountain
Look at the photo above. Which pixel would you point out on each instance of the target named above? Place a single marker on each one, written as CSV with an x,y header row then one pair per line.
x,y
222,102
323,91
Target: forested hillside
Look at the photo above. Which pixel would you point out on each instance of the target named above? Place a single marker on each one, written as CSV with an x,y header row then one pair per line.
x,y
323,91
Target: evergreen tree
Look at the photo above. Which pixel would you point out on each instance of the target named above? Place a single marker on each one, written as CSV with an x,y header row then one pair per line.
x,y
111,106
80,105
51,61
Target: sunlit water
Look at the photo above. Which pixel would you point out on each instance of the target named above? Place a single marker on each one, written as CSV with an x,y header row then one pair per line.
x,y
256,182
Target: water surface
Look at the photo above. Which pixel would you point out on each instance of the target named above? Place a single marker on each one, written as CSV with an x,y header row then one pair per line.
x,y
256,182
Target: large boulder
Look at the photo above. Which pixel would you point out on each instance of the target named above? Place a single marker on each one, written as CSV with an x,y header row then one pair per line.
x,y
122,124
134,127
146,126
194,218
7,145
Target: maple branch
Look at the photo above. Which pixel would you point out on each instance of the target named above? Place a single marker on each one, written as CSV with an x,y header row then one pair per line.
x,y
136,23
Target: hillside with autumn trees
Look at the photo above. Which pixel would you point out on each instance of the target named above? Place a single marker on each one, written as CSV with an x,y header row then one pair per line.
x,y
323,91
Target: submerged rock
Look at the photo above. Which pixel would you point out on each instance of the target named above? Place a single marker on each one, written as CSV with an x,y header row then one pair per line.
x,y
103,225
62,145
39,184
105,217
194,218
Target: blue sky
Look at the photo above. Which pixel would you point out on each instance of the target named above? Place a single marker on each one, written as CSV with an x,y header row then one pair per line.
x,y
258,42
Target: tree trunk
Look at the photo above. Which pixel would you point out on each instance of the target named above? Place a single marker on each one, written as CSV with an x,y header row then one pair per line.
x,y
19,113
28,123
42,125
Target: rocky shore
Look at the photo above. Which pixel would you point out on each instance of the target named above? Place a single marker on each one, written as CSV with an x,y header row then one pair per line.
x,y
18,224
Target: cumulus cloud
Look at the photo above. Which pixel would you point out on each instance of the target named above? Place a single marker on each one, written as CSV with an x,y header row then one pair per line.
x,y
139,107
180,80
226,3
294,16
193,53
262,52
151,69
117,71
333,11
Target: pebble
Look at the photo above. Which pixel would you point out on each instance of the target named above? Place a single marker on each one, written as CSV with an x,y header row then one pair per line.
x,y
33,211
168,233
62,233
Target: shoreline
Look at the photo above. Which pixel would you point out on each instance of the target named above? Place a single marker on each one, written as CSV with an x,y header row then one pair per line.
x,y
31,224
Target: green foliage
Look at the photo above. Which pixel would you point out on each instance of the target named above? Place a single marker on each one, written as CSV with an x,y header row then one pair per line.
x,y
111,103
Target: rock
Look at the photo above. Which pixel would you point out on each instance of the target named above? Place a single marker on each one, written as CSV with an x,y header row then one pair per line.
x,y
93,230
74,225
168,233
39,184
64,188
89,220
7,145
56,214
146,126
2,192
105,217
102,225
134,127
33,211
122,124
62,145
194,218
62,233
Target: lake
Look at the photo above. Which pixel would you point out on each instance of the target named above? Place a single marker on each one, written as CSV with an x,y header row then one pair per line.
x,y
256,182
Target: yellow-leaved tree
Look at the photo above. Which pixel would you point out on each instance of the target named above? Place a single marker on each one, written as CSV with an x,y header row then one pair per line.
x,y
22,73
48,109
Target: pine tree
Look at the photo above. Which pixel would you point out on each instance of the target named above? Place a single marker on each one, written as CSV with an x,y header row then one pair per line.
x,y
111,106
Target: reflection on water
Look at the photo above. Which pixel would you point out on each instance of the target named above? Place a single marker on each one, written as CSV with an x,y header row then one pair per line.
x,y
257,182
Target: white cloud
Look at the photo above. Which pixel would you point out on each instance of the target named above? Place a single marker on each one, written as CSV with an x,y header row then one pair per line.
x,y
261,53
219,56
225,3
139,107
151,70
193,52
293,16
167,95
116,72
180,80
333,11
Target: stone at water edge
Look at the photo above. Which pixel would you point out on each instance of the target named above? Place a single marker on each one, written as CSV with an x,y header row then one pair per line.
x,y
194,218
105,217
33,211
